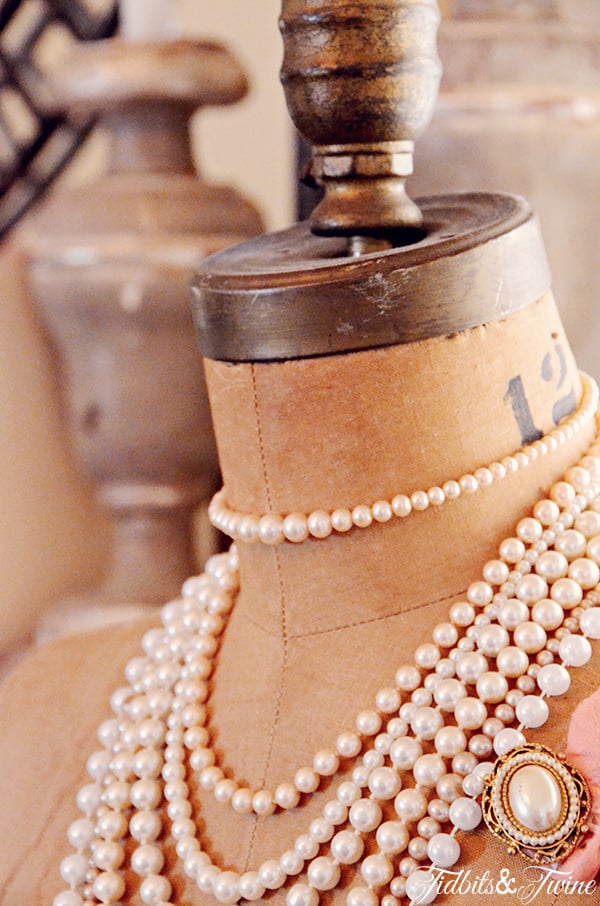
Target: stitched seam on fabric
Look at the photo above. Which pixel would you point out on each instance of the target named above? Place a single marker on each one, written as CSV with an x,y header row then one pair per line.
x,y
389,616
284,636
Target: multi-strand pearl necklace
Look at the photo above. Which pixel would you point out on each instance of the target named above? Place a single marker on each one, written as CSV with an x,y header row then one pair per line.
x,y
275,528
421,752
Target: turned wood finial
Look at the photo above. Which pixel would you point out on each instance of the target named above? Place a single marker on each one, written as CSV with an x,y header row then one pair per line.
x,y
361,81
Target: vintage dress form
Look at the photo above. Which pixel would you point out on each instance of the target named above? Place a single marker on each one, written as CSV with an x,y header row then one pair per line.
x,y
318,627
464,357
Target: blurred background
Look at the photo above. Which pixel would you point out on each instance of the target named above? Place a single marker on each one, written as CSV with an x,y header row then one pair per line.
x,y
519,111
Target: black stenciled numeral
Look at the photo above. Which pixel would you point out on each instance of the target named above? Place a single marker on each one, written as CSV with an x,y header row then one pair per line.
x,y
521,411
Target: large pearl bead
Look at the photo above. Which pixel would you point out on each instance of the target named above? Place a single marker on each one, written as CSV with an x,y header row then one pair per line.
x,y
532,711
535,798
323,873
465,814
347,847
553,679
575,650
443,850
421,887
392,837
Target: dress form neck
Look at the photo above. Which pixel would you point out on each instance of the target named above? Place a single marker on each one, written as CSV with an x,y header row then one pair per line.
x,y
352,429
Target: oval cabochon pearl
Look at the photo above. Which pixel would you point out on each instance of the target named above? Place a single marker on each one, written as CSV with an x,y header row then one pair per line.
x,y
535,798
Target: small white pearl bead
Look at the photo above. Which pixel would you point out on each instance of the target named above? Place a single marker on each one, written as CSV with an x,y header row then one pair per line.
x,y
407,678
108,855
263,803
492,687
362,516
410,805
553,679
572,544
250,886
445,635
575,650
513,612
388,700
512,661
347,847
306,847
529,530
449,741
427,656
348,745
479,593
270,529
443,850
321,830
323,873
335,812
426,722
326,763
384,783
271,875
291,863
419,501
377,870
421,887
552,565
436,496
532,711
590,623
401,505
306,780
73,869
108,887
530,636
585,572
241,801
295,528
392,837
531,588
405,751
512,550
341,520
451,489
462,613
319,524
226,887
495,572
465,814
147,860
368,723
428,769
567,593
506,740
448,693
492,639
67,898
362,896
302,895
382,511
365,815
286,796
470,713
546,511
145,826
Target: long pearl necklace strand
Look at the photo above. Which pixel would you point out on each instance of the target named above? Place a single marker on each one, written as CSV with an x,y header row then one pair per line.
x,y
421,753
274,528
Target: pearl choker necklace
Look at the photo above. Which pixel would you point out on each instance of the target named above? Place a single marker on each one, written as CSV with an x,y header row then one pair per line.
x,y
274,528
421,753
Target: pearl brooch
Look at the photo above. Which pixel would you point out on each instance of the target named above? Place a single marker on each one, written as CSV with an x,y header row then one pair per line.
x,y
274,528
419,754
